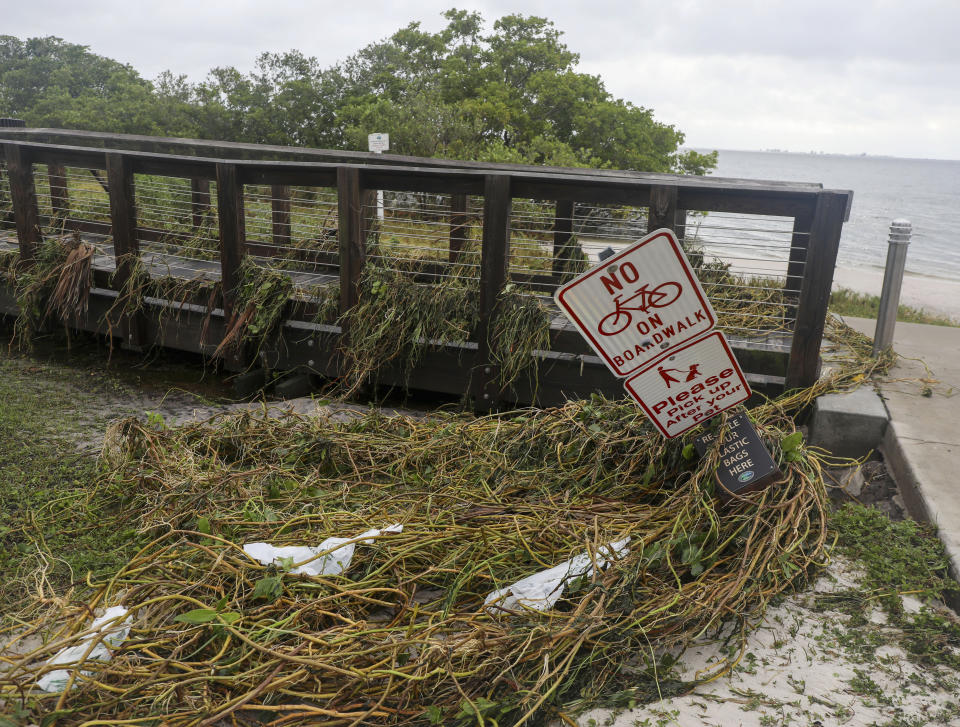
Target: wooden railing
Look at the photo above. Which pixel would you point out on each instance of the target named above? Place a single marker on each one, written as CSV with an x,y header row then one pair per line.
x,y
569,368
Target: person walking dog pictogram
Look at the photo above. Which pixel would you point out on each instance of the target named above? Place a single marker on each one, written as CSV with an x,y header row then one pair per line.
x,y
667,377
691,373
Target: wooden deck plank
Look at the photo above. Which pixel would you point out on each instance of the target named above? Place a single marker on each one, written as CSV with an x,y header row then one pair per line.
x,y
170,264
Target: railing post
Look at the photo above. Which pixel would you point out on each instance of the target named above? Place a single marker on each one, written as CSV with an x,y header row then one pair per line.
x,y
23,195
458,226
680,224
280,213
562,234
351,233
126,248
232,243
493,277
199,201
663,207
899,240
803,367
59,196
798,251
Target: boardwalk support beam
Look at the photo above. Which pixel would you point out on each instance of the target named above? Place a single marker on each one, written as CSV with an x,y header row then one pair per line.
x,y
803,368
494,264
230,212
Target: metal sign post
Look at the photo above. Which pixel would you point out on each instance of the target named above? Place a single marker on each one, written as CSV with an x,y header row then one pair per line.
x,y
378,143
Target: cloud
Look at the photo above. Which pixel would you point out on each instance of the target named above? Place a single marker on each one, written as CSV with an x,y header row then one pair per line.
x,y
859,75
751,102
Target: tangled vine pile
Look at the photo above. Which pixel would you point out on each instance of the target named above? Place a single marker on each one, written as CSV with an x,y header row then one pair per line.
x,y
404,634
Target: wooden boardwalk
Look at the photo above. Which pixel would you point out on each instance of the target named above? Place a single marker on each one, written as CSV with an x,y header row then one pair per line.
x,y
260,187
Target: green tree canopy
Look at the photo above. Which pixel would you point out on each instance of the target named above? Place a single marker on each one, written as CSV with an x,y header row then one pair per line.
x,y
48,82
510,93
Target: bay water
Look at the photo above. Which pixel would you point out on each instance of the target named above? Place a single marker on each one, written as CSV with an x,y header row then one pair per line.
x,y
924,191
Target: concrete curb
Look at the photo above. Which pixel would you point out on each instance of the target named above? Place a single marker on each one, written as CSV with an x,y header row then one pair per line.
x,y
920,505
922,441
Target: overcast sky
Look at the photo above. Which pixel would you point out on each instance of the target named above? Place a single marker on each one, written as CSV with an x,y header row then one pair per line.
x,y
846,76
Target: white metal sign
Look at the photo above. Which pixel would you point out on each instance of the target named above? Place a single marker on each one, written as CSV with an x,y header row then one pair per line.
x,y
639,304
378,143
690,384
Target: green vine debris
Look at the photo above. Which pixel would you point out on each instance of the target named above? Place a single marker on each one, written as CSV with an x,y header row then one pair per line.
x,y
404,635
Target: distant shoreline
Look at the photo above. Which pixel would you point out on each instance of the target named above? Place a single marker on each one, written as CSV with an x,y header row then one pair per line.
x,y
860,155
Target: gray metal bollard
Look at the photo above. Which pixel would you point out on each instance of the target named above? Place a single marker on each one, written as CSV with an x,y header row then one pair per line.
x,y
900,231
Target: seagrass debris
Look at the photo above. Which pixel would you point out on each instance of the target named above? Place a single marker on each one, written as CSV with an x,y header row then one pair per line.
x,y
260,300
400,317
404,310
520,326
70,297
571,261
56,286
8,261
404,636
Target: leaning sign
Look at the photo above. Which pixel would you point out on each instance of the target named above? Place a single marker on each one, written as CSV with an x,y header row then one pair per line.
x,y
690,385
638,304
644,313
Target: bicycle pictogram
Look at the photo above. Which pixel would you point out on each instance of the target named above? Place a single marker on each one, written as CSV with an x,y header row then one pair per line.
x,y
619,319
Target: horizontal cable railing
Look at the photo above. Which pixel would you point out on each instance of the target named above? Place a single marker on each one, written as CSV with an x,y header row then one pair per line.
x,y
320,224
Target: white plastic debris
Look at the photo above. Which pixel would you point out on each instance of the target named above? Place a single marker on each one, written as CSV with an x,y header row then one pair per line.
x,y
542,590
114,632
331,563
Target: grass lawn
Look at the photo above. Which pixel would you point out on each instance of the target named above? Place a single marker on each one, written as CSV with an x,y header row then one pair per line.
x,y
846,302
47,521
54,408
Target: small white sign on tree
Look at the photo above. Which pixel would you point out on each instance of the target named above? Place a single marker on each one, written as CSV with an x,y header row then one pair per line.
x,y
378,143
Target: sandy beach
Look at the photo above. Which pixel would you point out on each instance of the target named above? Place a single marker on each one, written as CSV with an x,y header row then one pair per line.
x,y
935,295
802,667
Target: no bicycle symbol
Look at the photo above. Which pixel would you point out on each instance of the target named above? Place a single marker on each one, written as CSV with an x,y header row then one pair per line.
x,y
621,317
639,304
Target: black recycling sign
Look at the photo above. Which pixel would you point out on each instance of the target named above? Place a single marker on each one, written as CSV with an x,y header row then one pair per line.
x,y
745,464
